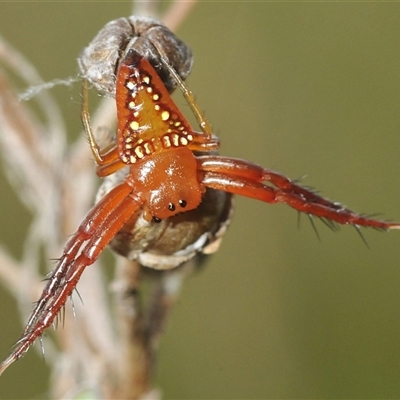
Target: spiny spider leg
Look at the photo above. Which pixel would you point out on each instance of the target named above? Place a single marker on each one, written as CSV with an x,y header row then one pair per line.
x,y
95,217
247,179
100,226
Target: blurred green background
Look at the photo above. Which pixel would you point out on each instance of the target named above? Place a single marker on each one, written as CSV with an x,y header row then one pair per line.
x,y
303,88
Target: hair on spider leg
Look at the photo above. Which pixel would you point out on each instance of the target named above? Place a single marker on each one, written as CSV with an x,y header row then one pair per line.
x,y
79,295
42,347
310,217
357,228
54,260
60,316
73,307
17,343
329,223
335,227
310,188
48,275
332,225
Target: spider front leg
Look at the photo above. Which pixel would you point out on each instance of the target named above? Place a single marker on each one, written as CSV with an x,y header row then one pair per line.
x,y
107,160
249,180
98,228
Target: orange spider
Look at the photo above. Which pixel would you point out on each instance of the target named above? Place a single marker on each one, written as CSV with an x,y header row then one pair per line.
x,y
171,178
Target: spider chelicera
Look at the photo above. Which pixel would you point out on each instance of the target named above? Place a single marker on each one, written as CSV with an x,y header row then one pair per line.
x,y
173,198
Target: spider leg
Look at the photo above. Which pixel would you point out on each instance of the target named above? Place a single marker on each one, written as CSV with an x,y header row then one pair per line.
x,y
250,180
202,142
99,227
107,160
96,217
187,93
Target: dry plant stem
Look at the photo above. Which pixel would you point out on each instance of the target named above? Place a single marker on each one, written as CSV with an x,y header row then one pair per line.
x,y
139,350
134,365
177,13
147,8
142,318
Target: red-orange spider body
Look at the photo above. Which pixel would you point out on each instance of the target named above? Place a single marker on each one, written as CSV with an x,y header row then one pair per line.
x,y
156,143
172,178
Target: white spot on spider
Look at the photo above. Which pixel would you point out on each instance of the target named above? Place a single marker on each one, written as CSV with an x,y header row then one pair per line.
x,y
139,152
175,139
134,125
130,85
166,141
165,115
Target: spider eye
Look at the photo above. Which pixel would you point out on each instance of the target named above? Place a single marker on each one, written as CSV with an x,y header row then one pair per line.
x,y
182,203
171,207
156,220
